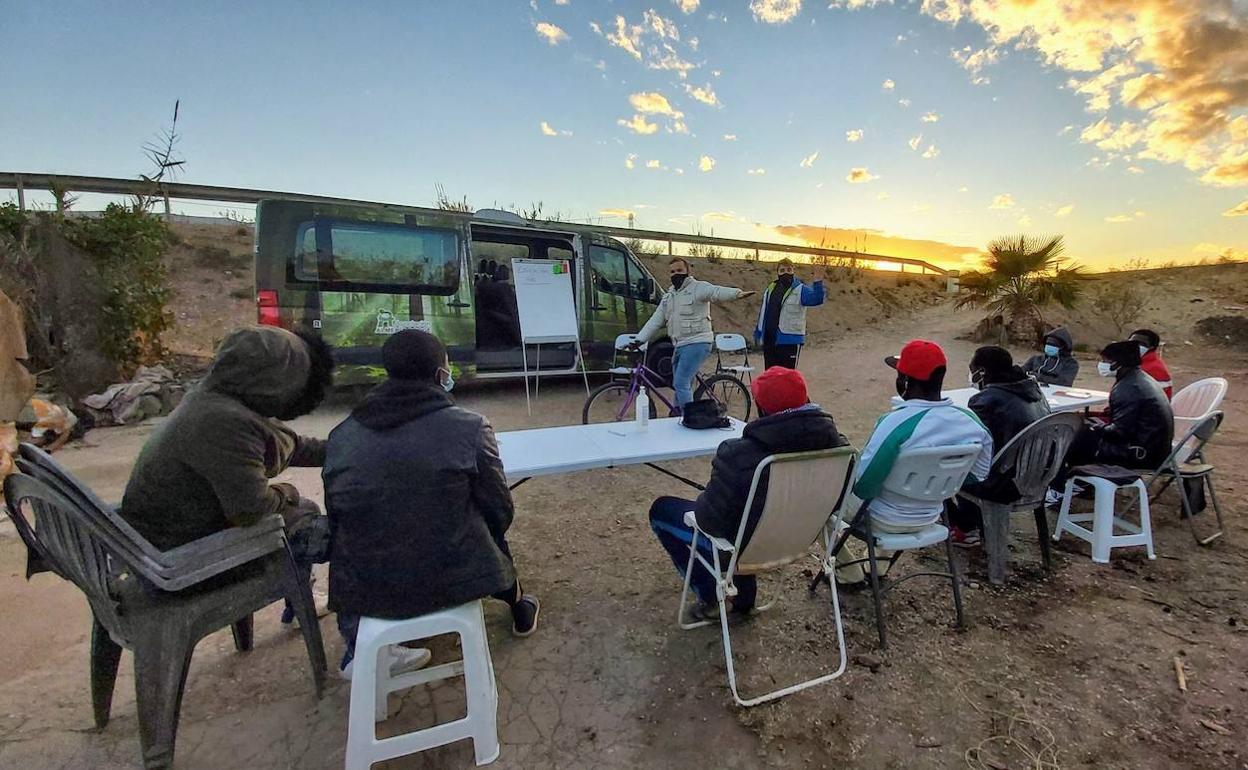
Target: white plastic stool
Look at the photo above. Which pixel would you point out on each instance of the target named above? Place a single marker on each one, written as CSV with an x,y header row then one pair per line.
x,y
371,684
1104,520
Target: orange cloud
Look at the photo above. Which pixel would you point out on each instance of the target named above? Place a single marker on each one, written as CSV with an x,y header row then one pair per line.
x,y
949,255
1237,211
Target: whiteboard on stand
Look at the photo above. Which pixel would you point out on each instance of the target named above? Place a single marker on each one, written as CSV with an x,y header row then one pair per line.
x,y
545,300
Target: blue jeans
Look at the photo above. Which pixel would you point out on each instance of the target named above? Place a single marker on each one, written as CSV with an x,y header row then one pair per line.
x,y
686,361
667,519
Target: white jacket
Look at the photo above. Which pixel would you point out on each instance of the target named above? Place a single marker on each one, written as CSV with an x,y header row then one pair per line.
x,y
687,312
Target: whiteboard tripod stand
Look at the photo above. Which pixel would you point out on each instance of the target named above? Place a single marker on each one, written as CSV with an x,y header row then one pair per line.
x,y
537,371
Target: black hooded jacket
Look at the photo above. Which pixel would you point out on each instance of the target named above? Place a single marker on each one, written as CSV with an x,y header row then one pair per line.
x,y
418,504
1142,427
1055,371
719,508
1005,409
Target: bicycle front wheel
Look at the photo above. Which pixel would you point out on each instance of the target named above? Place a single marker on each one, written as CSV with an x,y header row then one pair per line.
x,y
608,403
730,393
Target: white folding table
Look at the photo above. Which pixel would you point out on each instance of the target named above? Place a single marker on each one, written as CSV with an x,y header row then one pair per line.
x,y
571,448
1060,398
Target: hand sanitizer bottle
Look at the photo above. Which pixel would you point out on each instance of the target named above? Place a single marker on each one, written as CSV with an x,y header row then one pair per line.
x,y
643,410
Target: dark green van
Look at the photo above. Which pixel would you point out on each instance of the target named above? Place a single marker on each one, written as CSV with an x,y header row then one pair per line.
x,y
357,274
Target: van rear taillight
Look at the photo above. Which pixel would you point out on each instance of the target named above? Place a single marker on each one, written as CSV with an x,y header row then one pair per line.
x,y
266,307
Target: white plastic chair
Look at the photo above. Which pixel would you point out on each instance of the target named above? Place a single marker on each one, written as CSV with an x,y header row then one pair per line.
x,y
805,492
1194,403
621,344
924,474
734,344
1103,519
371,684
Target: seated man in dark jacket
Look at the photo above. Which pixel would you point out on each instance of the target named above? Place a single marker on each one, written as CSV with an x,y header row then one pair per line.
x,y
208,466
1057,364
1137,430
417,499
1007,402
787,422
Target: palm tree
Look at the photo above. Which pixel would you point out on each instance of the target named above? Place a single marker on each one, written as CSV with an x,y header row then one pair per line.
x,y
1023,274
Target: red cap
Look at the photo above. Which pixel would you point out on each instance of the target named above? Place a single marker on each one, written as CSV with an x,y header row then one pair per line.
x,y
918,359
779,388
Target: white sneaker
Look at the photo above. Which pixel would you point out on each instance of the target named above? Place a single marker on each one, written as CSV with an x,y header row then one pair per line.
x,y
403,660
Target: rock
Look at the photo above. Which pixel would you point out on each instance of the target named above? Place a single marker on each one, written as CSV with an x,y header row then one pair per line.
x,y
868,660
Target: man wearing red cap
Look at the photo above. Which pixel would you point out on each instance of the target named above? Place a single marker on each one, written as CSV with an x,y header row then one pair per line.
x,y
787,422
922,419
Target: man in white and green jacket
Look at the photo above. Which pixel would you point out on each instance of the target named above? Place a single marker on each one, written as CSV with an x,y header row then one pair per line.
x,y
781,326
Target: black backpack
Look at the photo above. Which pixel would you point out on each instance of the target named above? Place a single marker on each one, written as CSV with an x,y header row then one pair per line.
x,y
703,413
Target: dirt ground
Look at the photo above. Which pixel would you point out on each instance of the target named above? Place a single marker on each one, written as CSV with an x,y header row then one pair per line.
x,y
1076,665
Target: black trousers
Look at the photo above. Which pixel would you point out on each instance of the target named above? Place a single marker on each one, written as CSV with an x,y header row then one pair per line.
x,y
780,355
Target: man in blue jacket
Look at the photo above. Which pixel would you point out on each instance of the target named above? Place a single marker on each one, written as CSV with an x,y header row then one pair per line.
x,y
781,324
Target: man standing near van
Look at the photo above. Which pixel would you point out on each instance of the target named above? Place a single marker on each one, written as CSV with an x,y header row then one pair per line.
x,y
782,318
685,312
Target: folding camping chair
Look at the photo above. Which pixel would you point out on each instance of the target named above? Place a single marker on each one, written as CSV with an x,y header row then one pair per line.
x,y
734,344
804,495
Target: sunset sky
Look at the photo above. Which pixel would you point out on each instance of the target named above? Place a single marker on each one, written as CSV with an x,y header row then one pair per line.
x,y
913,127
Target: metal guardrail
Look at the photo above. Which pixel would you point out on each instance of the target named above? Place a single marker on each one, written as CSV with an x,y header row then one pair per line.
x,y
21,181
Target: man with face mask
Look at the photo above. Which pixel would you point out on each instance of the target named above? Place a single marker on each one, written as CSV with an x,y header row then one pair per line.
x,y
418,501
1056,366
1007,402
685,313
1137,429
781,326
1150,358
787,422
208,466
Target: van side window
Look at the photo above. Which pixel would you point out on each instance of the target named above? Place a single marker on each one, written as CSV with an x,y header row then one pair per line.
x,y
609,271
356,255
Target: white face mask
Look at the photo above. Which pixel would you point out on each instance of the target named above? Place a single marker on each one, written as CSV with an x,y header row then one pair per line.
x,y
1143,350
1105,369
975,383
449,382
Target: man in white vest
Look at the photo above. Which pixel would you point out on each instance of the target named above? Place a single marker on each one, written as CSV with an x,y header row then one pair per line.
x,y
685,313
781,324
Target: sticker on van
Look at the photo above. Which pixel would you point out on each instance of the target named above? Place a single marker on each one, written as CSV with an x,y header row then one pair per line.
x,y
388,324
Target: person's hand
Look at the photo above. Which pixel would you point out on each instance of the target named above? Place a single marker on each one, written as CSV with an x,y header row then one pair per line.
x,y
745,294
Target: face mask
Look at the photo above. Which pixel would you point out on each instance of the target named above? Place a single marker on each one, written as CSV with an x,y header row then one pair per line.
x,y
449,382
678,279
785,280
902,382
1143,350
975,382
1105,369
1051,351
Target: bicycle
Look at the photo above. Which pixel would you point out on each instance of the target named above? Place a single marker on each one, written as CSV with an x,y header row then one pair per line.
x,y
613,401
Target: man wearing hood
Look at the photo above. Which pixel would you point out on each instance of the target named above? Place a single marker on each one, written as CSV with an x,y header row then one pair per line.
x,y
1138,427
787,422
1150,359
1057,365
781,326
417,499
1007,402
208,466
685,313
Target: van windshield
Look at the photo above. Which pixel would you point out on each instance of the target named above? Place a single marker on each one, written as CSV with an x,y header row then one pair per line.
x,y
380,255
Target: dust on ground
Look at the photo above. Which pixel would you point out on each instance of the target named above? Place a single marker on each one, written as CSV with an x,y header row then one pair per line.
x,y
1076,664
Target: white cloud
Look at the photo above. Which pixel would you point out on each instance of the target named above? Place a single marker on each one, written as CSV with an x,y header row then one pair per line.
x,y
562,2
888,85
730,137
931,152
882,196
963,189
549,130
1002,201
809,160
904,103
854,5
775,11
761,171
1064,211
663,28
1118,219
915,141
639,125
680,172
974,61
1066,130
627,38
687,6
1024,220
854,135
721,216
704,94
930,117
859,175
656,165
653,103
550,32
1134,170
1237,211
616,213
706,163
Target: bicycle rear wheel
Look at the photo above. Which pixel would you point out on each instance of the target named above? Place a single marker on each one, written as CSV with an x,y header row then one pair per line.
x,y
608,403
731,393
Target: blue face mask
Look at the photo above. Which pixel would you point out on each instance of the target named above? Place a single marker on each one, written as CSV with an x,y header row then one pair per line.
x,y
449,383
1051,351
